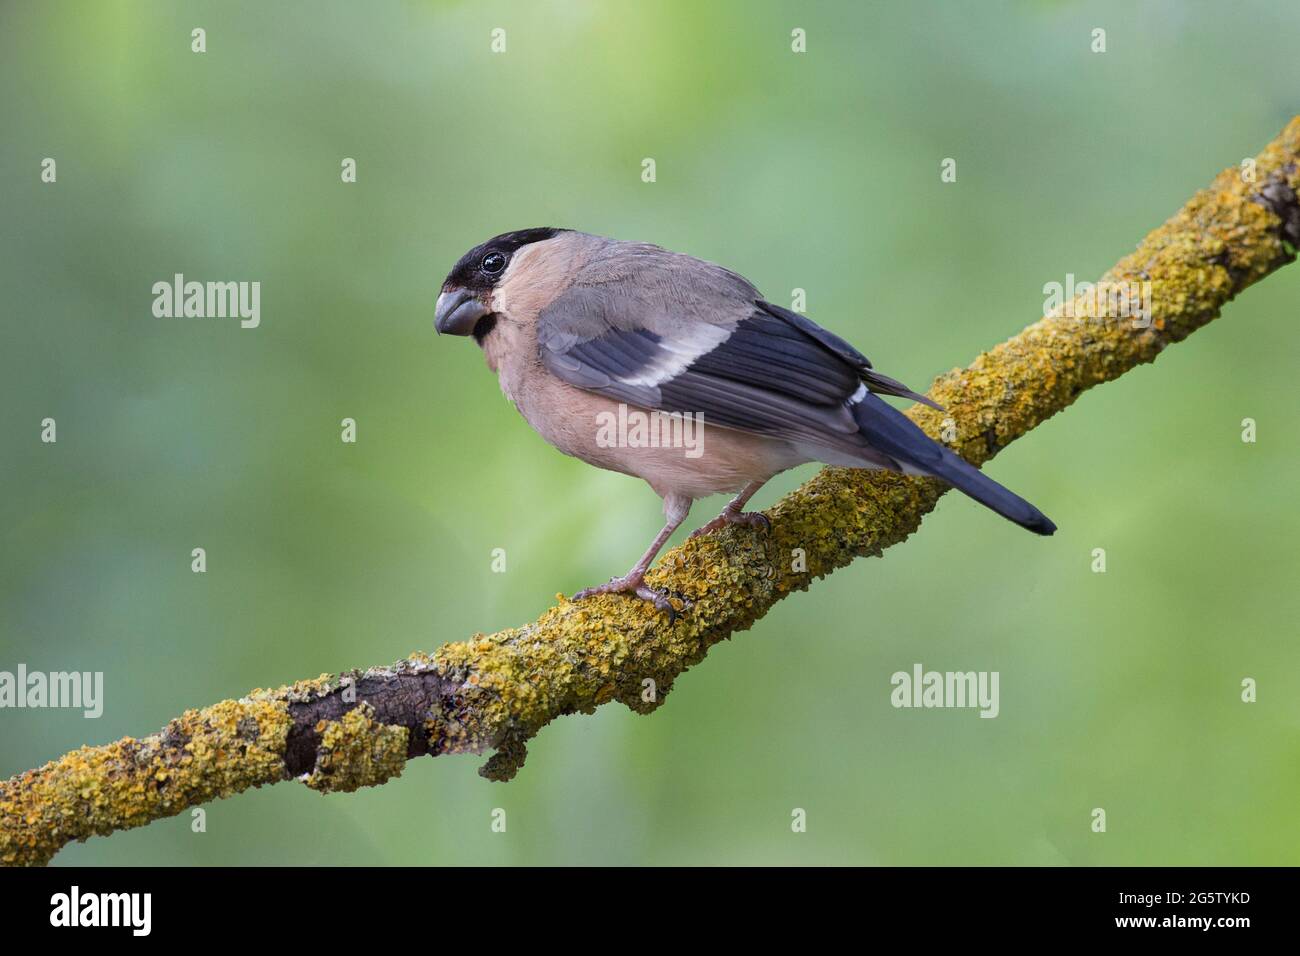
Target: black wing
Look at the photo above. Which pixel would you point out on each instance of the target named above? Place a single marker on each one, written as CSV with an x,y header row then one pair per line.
x,y
761,369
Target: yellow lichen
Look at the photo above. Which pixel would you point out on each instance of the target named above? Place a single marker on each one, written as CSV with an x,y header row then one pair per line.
x,y
357,751
199,756
297,692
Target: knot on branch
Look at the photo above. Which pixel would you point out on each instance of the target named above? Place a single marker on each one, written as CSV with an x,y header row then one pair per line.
x,y
508,759
357,751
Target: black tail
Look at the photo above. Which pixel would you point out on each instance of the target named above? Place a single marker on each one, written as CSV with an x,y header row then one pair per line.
x,y
890,431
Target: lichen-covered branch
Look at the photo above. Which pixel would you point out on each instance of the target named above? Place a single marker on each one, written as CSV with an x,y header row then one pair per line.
x,y
496,691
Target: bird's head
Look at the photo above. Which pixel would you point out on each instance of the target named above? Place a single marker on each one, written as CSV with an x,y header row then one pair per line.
x,y
465,303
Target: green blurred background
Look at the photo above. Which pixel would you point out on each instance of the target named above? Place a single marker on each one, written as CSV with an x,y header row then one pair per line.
x,y
819,171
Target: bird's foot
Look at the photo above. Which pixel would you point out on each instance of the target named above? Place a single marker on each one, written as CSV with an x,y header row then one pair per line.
x,y
633,583
754,519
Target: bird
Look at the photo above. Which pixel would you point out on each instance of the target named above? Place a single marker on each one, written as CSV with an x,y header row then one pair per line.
x,y
581,329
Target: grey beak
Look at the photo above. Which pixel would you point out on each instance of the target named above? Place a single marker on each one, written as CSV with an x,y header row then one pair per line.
x,y
457,312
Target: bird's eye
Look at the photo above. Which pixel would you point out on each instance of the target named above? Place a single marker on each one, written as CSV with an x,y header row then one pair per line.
x,y
494,263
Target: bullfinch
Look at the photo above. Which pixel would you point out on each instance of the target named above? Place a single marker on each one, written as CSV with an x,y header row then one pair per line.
x,y
587,334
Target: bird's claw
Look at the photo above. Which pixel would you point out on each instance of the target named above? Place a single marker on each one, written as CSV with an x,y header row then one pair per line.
x,y
634,584
753,519
659,598
612,586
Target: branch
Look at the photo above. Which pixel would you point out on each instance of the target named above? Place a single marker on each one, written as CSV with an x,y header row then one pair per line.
x,y
497,691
